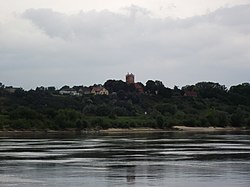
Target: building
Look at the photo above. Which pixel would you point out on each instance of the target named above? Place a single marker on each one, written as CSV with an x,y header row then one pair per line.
x,y
99,90
139,88
69,91
130,78
85,90
190,93
10,89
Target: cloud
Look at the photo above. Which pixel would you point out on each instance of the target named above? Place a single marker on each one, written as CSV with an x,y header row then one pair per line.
x,y
93,46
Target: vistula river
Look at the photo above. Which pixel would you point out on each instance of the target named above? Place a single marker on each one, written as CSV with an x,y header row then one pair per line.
x,y
173,159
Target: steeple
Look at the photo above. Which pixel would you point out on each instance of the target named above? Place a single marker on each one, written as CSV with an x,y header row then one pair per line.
x,y
130,78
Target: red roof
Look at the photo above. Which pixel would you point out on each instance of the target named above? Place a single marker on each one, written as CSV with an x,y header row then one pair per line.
x,y
190,94
139,88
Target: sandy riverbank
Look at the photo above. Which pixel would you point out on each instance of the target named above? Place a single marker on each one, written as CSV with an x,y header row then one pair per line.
x,y
206,129
119,130
175,128
132,130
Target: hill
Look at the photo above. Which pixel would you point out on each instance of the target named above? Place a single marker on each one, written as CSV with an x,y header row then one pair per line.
x,y
125,106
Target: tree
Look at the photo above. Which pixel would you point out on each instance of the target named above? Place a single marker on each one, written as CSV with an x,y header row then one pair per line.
x,y
242,89
218,118
81,124
166,108
103,110
150,87
154,87
119,111
177,91
189,88
116,86
65,87
160,121
237,118
66,118
240,94
25,113
40,89
51,89
89,109
210,89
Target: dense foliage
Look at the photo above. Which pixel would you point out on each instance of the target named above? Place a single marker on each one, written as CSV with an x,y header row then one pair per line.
x,y
124,107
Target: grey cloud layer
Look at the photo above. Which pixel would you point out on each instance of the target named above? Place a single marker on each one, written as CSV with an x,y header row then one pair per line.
x,y
93,46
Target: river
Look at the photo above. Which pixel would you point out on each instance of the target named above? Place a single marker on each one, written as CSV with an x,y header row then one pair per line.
x,y
173,159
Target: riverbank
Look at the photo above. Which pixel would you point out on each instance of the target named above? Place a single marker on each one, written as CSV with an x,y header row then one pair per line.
x,y
116,130
206,129
174,129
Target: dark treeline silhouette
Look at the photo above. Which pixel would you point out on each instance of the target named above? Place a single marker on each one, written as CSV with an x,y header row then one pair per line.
x,y
120,105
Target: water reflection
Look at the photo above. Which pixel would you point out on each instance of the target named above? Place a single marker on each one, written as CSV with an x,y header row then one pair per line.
x,y
158,159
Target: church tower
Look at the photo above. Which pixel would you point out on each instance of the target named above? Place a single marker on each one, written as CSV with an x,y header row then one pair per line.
x,y
130,78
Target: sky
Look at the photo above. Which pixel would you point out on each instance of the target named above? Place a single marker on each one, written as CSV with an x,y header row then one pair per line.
x,y
80,42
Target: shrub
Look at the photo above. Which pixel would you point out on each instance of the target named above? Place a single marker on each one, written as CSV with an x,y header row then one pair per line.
x,y
81,124
191,122
166,108
66,118
98,123
160,122
103,110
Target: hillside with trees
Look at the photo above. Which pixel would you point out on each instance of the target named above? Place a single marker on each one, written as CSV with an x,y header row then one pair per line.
x,y
203,104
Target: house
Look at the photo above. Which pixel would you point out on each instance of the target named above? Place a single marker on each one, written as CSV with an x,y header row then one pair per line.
x,y
139,88
69,91
190,93
11,90
99,90
84,91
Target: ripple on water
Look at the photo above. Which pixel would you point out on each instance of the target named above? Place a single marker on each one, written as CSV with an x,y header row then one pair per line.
x,y
143,160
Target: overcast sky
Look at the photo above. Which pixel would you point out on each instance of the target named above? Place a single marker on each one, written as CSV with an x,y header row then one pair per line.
x,y
80,42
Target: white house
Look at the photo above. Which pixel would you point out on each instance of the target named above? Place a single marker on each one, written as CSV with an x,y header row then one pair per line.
x,y
69,91
98,90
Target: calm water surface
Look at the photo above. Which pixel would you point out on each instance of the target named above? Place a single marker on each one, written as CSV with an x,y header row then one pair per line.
x,y
158,159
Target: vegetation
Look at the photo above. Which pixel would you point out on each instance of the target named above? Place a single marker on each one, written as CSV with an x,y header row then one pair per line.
x,y
158,107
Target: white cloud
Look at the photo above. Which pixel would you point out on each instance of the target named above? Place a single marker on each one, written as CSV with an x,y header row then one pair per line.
x,y
88,47
158,8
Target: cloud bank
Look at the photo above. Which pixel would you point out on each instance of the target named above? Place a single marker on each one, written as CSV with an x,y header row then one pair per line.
x,y
44,47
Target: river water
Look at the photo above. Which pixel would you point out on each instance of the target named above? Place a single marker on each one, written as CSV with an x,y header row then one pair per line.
x,y
151,159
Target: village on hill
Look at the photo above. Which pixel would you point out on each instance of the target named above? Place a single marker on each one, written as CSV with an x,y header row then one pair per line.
x,y
125,104
109,88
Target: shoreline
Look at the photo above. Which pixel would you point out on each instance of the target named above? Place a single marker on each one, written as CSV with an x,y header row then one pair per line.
x,y
207,129
178,128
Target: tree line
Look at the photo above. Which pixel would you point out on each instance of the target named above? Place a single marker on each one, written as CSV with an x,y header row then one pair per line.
x,y
157,107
